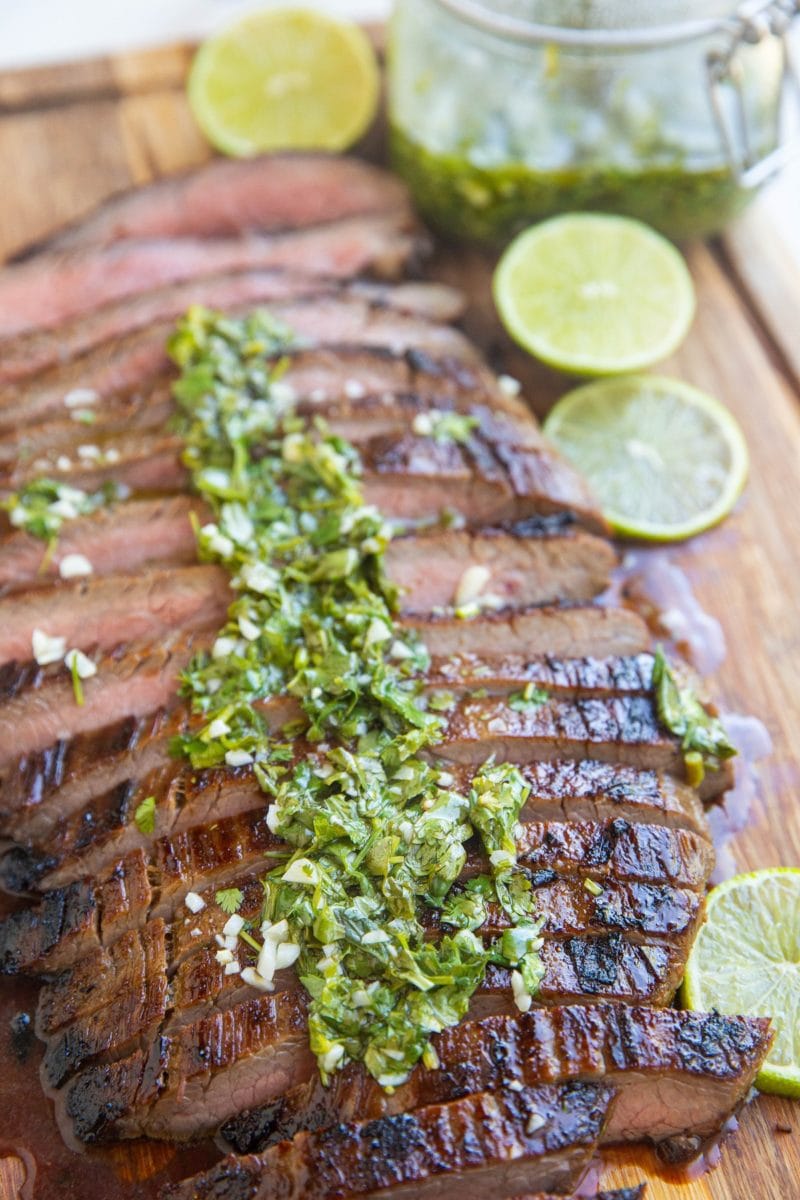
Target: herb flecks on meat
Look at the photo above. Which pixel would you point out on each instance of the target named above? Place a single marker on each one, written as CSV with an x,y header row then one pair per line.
x,y
377,832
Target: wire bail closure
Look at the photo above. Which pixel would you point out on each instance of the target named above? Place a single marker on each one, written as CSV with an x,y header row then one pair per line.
x,y
755,23
751,23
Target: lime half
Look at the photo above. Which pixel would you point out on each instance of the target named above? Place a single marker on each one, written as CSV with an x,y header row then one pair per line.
x,y
594,295
746,960
664,459
285,79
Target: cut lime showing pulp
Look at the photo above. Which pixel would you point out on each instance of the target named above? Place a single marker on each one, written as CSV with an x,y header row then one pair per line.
x,y
594,295
746,960
285,79
665,460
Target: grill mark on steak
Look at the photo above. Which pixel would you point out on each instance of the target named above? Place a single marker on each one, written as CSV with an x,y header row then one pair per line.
x,y
30,353
465,1149
649,1056
56,287
621,729
225,197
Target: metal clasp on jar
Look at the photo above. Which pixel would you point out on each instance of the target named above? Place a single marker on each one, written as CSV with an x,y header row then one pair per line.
x,y
753,22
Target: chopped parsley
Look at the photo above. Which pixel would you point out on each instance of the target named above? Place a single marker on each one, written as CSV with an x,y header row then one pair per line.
x,y
703,738
230,900
377,837
145,815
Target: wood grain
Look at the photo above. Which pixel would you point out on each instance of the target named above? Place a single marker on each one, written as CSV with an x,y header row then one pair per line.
x,y
71,136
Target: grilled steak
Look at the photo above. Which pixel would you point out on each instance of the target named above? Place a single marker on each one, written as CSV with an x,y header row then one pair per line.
x,y
532,563
125,375
224,197
711,1058
112,610
86,841
59,286
28,354
504,1144
147,1031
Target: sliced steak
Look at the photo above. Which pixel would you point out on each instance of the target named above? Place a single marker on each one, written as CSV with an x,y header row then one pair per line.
x,y
112,610
409,478
28,354
100,614
624,729
531,563
676,1074
201,857
226,197
59,286
125,378
484,1144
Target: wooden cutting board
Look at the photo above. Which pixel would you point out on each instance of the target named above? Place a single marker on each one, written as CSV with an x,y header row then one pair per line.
x,y
70,136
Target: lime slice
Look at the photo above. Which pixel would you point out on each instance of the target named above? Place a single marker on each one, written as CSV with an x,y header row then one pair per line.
x,y
594,295
746,960
285,79
664,459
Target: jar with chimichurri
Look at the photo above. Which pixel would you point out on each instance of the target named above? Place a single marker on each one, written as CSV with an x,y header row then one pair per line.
x,y
506,112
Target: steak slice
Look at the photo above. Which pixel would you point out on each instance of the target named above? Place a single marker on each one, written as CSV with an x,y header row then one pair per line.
x,y
533,562
55,287
502,1144
623,729
112,610
676,1075
226,197
29,353
580,630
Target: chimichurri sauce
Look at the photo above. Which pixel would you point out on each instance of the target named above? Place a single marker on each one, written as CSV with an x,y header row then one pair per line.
x,y
491,204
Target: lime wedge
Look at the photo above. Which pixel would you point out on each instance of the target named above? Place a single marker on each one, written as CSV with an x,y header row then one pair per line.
x,y
746,960
594,295
665,460
284,79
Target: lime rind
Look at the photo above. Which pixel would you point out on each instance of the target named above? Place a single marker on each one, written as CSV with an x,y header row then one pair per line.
x,y
746,960
593,294
665,460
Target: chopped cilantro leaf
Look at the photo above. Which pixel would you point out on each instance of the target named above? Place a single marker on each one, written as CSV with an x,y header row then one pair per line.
x,y
145,815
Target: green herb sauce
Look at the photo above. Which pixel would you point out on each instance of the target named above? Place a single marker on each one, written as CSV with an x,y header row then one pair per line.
x,y
377,834
704,740
491,204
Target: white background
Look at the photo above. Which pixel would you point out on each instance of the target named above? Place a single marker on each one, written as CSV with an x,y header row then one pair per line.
x,y
38,31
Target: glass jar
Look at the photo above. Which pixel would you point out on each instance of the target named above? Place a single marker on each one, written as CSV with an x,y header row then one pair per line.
x,y
507,112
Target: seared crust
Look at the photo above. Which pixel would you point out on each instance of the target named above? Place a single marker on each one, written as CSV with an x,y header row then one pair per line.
x,y
457,1149
628,1047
